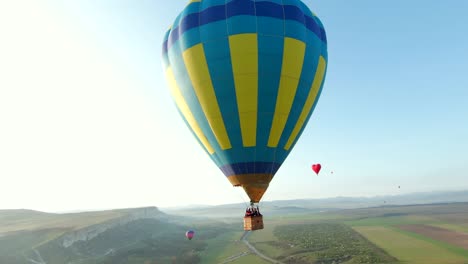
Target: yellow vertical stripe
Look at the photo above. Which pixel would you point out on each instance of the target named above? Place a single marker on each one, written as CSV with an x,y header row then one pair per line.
x,y
244,56
293,59
318,79
185,110
197,68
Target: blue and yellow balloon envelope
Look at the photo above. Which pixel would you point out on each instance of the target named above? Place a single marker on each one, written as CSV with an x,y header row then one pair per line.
x,y
246,76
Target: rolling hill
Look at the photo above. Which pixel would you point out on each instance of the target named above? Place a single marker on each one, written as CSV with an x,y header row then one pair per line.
x,y
114,236
151,235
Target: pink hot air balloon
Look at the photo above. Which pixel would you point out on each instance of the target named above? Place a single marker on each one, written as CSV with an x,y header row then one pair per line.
x,y
316,168
189,234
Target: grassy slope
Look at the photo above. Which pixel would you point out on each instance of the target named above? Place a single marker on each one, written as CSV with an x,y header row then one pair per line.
x,y
266,242
20,220
24,230
250,259
20,242
223,247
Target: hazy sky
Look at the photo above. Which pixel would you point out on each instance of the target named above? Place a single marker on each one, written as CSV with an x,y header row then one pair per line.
x,y
87,121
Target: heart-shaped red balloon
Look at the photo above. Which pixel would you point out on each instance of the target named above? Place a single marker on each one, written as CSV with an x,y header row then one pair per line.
x,y
316,168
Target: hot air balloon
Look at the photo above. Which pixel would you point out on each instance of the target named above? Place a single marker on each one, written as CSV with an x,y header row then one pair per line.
x,y
316,168
246,76
189,234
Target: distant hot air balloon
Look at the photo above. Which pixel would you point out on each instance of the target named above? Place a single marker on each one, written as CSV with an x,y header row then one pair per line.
x,y
246,76
189,234
316,168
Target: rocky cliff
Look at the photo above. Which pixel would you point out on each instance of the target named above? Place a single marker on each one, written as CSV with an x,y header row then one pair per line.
x,y
90,232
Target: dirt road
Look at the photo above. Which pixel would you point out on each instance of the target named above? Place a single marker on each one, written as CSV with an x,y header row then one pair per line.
x,y
255,251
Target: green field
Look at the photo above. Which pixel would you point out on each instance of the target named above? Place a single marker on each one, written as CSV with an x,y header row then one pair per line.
x,y
266,241
369,235
222,247
406,248
440,244
250,259
462,227
301,236
327,243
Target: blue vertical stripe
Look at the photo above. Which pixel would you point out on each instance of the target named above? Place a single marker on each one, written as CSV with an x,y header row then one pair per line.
x,y
270,65
185,85
313,107
219,64
309,68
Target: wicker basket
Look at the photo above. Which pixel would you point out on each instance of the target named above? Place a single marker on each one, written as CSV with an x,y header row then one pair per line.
x,y
253,222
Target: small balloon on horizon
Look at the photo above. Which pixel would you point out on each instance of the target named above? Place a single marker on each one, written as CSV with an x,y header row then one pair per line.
x,y
189,234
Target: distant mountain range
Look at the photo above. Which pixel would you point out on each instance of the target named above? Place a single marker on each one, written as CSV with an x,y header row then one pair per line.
x,y
284,207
